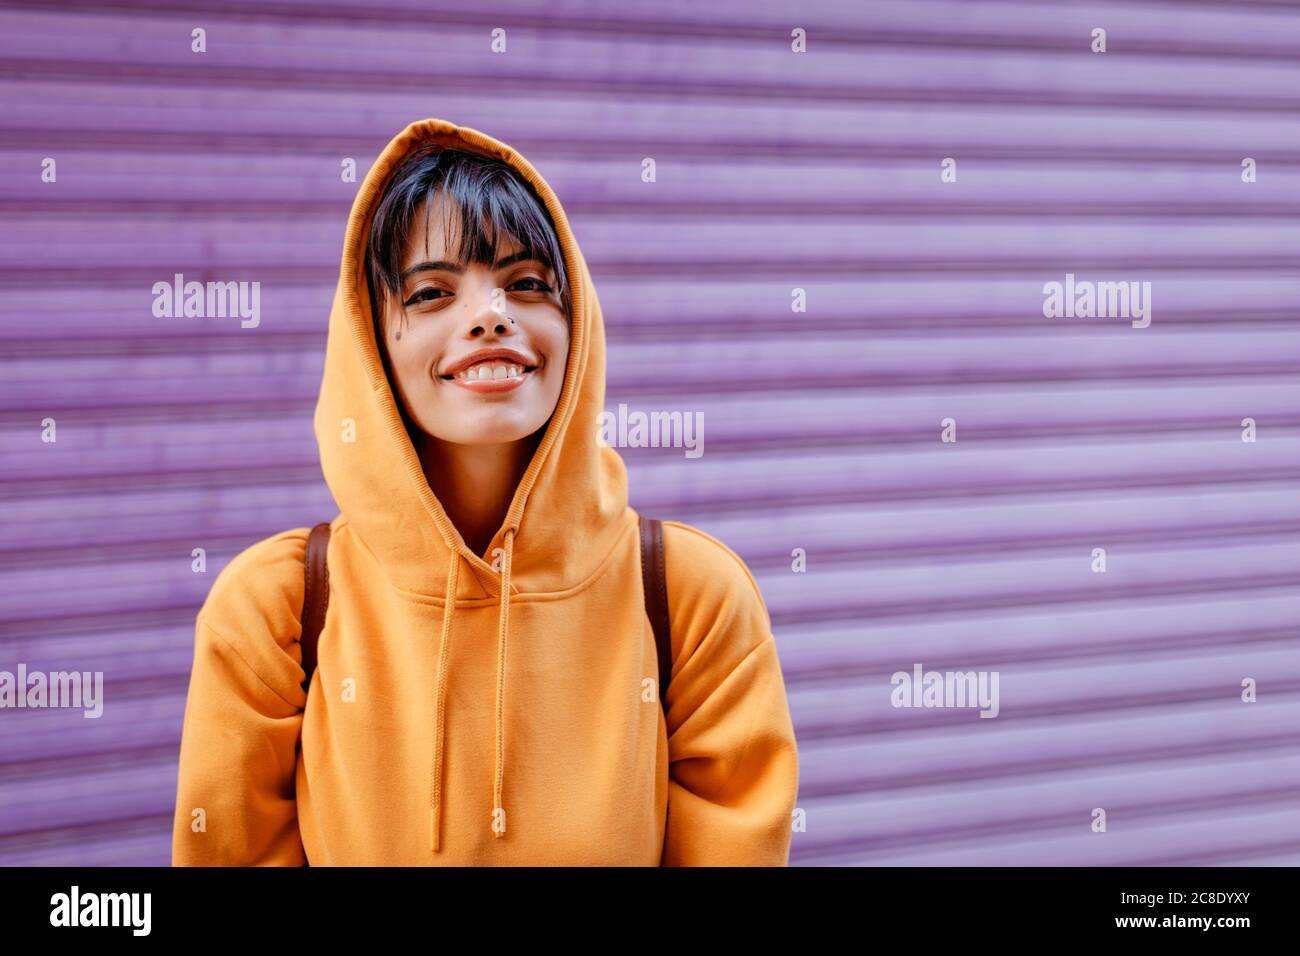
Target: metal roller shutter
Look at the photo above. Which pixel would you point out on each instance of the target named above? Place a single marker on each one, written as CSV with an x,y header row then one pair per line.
x,y
775,171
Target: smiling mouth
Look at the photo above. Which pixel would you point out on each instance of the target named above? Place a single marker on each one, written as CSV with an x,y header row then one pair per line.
x,y
492,370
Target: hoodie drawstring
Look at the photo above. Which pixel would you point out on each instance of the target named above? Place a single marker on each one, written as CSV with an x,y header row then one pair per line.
x,y
449,612
502,624
435,784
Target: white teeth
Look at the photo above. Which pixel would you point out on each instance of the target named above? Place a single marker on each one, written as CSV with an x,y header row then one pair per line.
x,y
490,372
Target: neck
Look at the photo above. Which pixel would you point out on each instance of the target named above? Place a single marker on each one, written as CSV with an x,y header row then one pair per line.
x,y
475,483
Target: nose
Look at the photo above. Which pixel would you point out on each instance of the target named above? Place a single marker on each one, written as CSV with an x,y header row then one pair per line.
x,y
485,317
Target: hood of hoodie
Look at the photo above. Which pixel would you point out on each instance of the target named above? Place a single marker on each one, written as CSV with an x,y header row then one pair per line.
x,y
568,508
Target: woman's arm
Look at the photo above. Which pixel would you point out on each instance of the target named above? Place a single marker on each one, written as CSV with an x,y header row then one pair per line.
x,y
733,759
235,793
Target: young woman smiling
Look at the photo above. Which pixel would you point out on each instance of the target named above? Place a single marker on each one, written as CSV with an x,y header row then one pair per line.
x,y
485,692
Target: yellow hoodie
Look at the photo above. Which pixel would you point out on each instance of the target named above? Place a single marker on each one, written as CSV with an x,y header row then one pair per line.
x,y
465,715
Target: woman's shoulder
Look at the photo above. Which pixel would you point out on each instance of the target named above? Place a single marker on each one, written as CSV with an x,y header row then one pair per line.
x,y
703,557
260,589
708,581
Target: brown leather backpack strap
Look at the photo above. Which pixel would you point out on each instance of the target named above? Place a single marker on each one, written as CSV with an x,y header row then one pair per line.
x,y
315,596
655,586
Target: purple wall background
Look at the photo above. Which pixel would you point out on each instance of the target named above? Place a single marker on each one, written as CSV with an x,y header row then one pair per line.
x,y
775,171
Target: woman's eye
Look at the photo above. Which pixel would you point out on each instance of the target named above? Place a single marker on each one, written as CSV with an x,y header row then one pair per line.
x,y
427,294
540,285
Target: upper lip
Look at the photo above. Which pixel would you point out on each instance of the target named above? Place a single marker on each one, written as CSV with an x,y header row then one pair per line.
x,y
484,355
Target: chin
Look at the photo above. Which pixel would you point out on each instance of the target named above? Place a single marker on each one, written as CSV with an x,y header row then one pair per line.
x,y
486,432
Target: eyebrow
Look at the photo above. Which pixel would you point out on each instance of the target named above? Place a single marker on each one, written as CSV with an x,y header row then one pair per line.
x,y
442,264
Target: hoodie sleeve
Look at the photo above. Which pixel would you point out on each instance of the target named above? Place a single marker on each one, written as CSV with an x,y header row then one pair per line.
x,y
235,803
733,761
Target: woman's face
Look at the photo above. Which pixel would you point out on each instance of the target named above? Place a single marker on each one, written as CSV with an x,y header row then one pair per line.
x,y
479,356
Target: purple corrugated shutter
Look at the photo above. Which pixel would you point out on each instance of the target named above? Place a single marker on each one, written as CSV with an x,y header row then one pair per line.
x,y
775,171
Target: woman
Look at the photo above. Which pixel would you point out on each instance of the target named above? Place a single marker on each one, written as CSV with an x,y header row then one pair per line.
x,y
481,692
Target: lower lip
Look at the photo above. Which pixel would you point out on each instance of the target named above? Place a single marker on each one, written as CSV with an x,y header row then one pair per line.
x,y
491,385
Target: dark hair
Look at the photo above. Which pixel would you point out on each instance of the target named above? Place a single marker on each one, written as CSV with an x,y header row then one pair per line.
x,y
493,201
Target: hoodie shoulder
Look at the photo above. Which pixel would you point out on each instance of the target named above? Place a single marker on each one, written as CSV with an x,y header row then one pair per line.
x,y
712,596
255,603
